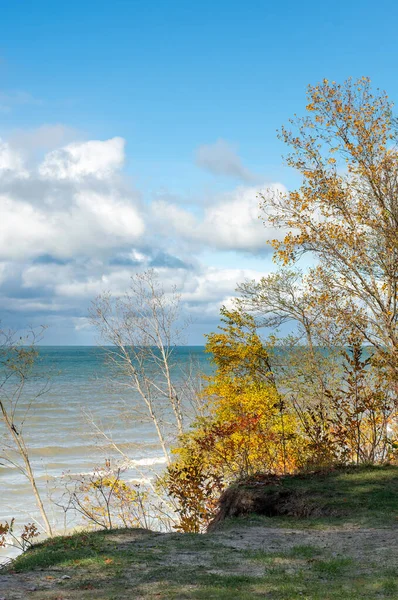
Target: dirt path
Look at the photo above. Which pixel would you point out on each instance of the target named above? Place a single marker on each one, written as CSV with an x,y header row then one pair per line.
x,y
363,545
360,544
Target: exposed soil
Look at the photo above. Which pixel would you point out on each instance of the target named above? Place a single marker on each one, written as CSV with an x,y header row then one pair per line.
x,y
364,545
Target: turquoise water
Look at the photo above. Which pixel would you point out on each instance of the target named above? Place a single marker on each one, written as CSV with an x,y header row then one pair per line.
x,y
58,431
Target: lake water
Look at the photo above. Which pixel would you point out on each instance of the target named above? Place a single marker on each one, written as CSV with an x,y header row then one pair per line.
x,y
59,435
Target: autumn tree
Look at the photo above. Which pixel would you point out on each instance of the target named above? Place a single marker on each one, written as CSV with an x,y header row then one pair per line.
x,y
345,213
338,367
307,364
243,396
248,426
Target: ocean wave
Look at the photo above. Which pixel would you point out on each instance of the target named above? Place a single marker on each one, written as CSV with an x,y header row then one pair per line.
x,y
146,462
126,465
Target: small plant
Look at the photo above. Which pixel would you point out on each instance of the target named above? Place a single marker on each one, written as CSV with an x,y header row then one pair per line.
x,y
105,500
196,489
23,541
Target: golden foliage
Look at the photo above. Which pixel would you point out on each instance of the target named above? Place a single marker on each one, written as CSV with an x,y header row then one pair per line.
x,y
247,429
346,211
340,409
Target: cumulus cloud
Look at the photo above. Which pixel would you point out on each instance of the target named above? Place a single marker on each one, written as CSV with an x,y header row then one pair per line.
x,y
72,204
203,290
11,162
230,222
72,226
83,159
221,158
211,287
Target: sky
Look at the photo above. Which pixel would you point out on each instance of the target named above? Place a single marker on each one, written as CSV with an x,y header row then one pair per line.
x,y
138,134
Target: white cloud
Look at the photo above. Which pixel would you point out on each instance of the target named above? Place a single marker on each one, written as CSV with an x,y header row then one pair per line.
x,y
221,158
84,159
72,226
235,220
214,287
80,217
93,223
203,291
11,162
22,229
231,222
91,286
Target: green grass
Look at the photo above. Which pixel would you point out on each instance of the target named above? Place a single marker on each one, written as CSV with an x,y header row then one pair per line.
x,y
304,551
363,496
100,567
138,564
334,566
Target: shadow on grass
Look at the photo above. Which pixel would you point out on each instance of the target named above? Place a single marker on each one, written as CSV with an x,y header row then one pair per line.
x,y
362,495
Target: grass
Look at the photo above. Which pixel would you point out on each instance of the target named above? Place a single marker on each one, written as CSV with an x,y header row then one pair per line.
x,y
104,568
238,560
304,551
364,496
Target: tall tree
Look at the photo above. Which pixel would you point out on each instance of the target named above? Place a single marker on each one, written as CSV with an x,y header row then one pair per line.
x,y
345,213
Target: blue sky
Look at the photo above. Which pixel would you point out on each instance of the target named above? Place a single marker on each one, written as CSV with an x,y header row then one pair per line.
x,y
137,134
